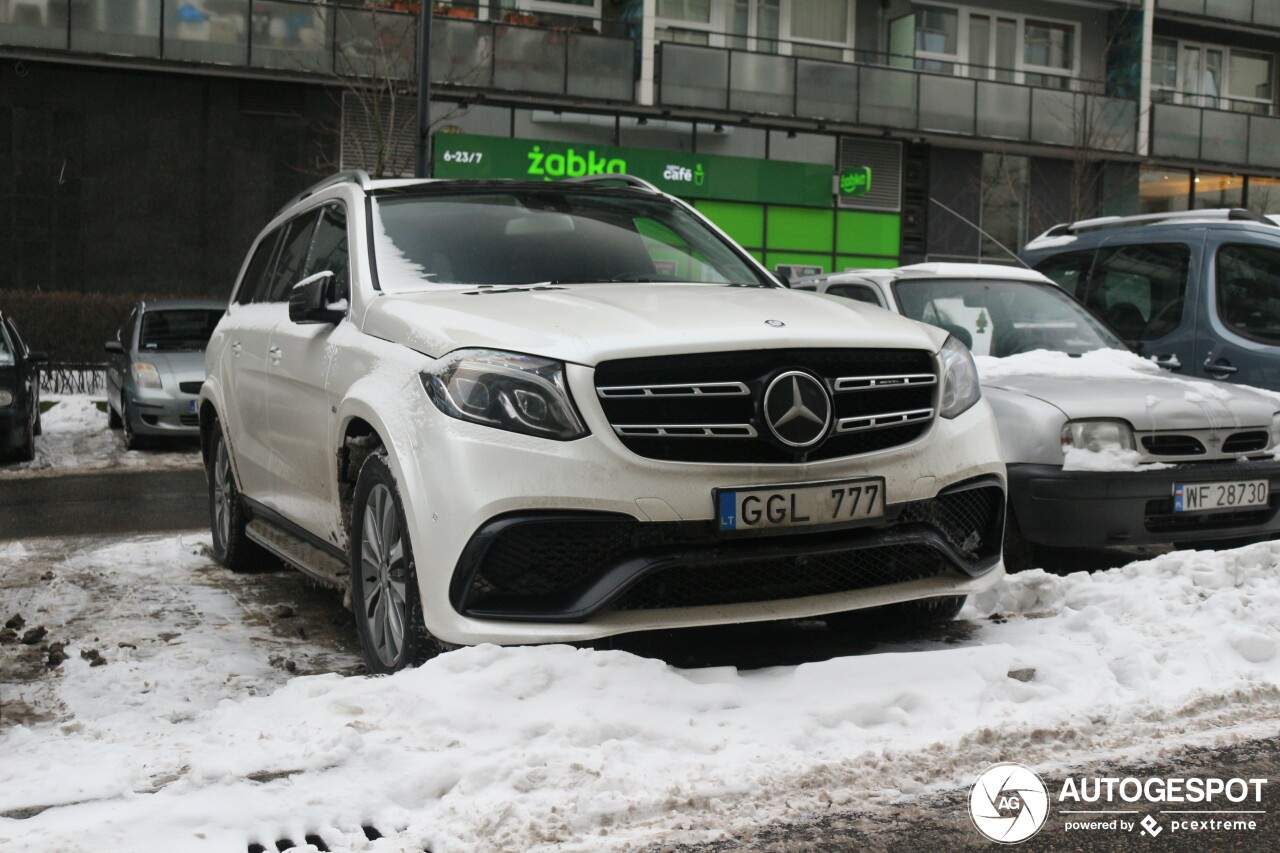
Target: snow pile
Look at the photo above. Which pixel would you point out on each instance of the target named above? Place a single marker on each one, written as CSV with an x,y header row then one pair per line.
x,y
1099,364
545,748
1110,459
76,440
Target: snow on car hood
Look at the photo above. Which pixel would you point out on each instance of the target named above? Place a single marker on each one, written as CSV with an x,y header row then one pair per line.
x,y
589,323
1110,383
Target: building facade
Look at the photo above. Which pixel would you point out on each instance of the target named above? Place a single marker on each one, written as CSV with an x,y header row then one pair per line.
x,y
148,140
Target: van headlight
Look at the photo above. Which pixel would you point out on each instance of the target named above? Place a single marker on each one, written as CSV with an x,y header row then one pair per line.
x,y
960,386
505,390
1098,436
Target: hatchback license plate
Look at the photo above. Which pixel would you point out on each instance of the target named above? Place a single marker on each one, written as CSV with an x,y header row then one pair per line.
x,y
800,506
1201,497
191,406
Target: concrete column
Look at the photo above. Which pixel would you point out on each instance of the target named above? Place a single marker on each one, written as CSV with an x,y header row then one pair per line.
x,y
644,91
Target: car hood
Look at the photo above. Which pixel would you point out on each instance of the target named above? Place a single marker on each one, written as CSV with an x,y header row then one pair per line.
x,y
590,323
182,366
1148,403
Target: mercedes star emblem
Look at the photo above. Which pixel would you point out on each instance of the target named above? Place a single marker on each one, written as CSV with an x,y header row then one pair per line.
x,y
797,409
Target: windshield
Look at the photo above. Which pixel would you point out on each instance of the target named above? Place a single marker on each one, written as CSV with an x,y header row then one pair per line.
x,y
1000,318
177,329
535,236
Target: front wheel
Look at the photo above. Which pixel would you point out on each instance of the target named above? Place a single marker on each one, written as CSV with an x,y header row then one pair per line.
x,y
27,449
384,582
228,515
132,441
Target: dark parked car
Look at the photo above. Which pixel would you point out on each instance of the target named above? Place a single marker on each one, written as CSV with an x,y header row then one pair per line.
x,y
1198,291
19,392
155,367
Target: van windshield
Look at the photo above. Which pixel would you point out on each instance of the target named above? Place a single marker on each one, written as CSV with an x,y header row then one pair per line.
x,y
1000,318
528,236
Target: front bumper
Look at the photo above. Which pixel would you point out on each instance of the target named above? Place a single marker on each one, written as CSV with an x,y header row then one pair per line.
x,y
1094,509
164,415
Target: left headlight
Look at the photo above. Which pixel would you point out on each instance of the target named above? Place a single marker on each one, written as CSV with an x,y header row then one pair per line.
x,y
505,390
146,375
1098,436
960,386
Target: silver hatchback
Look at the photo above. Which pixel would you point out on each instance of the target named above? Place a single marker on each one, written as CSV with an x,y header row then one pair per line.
x,y
155,368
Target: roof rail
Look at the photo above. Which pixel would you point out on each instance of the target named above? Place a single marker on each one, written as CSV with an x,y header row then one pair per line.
x,y
349,176
1235,214
629,180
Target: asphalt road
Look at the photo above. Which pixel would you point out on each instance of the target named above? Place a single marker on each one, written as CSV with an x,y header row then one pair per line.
x,y
89,504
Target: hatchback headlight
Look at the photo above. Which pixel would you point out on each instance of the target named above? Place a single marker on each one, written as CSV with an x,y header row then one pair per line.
x,y
6,398
960,386
146,375
505,390
1097,436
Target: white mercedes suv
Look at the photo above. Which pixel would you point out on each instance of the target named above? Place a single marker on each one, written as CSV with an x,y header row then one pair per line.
x,y
516,412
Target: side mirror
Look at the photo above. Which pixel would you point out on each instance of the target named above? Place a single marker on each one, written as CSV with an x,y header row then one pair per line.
x,y
38,357
114,347
309,300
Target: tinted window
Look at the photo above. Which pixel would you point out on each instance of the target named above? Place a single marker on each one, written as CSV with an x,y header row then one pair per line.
x,y
329,249
1069,271
7,354
1249,291
1139,289
290,260
531,236
1002,318
18,346
252,283
126,331
177,329
857,292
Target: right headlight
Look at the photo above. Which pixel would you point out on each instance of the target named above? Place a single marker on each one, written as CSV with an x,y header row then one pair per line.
x,y
960,386
146,375
505,390
1098,436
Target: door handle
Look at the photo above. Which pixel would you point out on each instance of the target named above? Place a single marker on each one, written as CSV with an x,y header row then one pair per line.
x,y
235,347
1219,368
1168,362
274,353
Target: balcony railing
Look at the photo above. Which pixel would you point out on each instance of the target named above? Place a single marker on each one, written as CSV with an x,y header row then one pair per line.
x,y
307,38
899,98
1219,136
1264,13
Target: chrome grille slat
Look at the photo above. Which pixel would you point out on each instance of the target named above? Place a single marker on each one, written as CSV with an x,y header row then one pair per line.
x,y
696,389
686,430
875,383
888,419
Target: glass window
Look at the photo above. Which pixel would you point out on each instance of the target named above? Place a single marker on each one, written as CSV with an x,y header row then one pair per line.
x,y
18,346
7,351
937,30
1249,291
856,292
979,45
1069,271
1264,195
685,10
1163,190
1004,204
1049,45
255,273
820,20
1250,75
1215,191
174,329
329,249
1001,318
1164,64
292,256
551,236
1139,289
768,18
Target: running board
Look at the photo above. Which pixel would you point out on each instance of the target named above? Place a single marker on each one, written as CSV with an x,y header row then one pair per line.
x,y
316,564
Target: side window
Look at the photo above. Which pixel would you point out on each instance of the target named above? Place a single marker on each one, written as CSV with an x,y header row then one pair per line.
x,y
290,259
856,292
329,249
126,331
1069,271
255,273
1139,290
8,355
19,347
1249,291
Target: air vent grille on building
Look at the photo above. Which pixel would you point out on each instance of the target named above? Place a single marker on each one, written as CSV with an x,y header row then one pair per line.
x,y
363,147
272,99
884,159
915,203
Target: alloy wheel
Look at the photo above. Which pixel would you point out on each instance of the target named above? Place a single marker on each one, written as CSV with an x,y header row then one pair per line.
x,y
383,574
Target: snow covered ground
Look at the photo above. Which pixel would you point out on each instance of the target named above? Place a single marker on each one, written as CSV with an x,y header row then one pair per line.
x,y
190,738
76,440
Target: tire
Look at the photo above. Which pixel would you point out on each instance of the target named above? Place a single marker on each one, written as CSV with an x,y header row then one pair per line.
x,y
228,515
38,429
903,616
27,449
132,441
384,581
113,418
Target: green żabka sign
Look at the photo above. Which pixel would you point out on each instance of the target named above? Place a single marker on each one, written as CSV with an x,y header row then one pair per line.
x,y
710,176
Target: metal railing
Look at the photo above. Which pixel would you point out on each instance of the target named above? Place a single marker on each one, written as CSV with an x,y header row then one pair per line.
x,y
294,36
1264,13
73,377
1219,136
865,93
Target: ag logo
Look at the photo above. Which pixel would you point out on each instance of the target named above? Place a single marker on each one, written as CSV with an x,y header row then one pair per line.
x,y
855,182
1009,803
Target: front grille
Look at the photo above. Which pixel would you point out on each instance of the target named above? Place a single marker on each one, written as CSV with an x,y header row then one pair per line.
x,y
1246,442
708,407
189,420
189,387
1173,445
551,564
779,578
